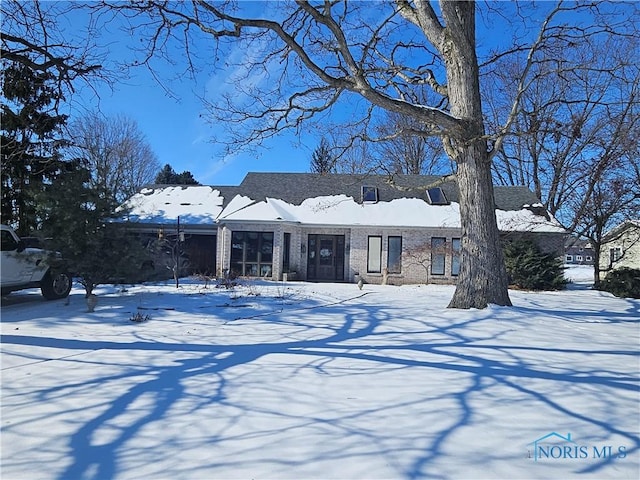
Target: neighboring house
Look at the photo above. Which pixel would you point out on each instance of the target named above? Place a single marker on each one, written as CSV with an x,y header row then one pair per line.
x,y
621,247
578,252
334,227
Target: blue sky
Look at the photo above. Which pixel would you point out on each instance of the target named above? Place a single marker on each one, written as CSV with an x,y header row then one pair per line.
x,y
175,127
182,138
174,123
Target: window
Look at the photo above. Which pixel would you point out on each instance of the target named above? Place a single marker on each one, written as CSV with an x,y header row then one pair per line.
x,y
436,196
8,242
438,255
569,258
311,259
286,252
374,255
578,258
615,254
456,247
394,255
252,253
369,194
589,258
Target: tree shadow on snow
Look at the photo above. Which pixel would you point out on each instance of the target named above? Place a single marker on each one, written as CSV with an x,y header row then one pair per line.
x,y
367,337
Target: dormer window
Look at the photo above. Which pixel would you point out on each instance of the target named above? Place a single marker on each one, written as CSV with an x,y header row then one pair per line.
x,y
436,196
369,194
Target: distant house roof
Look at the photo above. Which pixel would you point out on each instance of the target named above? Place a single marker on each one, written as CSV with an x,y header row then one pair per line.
x,y
332,199
575,242
620,228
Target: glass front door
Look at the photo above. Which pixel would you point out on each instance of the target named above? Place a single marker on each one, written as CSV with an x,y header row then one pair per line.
x,y
325,260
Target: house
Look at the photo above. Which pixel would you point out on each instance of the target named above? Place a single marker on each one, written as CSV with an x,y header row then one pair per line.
x,y
578,251
621,247
334,227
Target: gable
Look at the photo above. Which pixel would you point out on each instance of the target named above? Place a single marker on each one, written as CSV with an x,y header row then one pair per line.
x,y
624,229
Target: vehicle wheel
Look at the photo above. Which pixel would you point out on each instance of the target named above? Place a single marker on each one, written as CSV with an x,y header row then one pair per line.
x,y
56,285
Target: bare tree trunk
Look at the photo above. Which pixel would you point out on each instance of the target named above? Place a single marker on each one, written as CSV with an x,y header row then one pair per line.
x,y
483,277
596,264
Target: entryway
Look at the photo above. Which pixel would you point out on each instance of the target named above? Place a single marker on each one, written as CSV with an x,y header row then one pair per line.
x,y
325,258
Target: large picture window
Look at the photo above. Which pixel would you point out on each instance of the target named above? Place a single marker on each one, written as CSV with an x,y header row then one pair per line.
x,y
374,255
394,257
438,254
252,253
456,247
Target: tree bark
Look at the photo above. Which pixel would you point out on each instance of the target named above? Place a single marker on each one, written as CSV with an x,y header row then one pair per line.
x,y
597,246
483,277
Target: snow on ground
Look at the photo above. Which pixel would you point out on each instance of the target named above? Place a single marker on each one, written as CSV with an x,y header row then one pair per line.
x,y
582,274
319,381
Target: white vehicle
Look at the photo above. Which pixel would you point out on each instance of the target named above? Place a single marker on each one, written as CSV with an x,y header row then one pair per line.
x,y
24,267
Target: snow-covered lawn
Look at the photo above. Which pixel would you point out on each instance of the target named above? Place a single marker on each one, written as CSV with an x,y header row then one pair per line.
x,y
319,381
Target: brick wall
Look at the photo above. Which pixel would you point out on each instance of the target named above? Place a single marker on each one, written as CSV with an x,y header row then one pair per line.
x,y
416,255
416,251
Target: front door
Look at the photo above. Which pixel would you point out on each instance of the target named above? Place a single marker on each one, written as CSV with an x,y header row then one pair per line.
x,y
326,258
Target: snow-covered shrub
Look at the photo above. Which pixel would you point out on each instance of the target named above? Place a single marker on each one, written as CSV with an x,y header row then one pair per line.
x,y
531,269
623,282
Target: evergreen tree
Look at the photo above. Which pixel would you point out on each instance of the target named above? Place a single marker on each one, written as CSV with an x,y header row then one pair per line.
x,y
79,221
322,160
530,268
31,142
623,282
38,66
168,176
186,178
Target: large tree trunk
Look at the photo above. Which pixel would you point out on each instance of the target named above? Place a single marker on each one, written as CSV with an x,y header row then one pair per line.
x,y
483,277
597,248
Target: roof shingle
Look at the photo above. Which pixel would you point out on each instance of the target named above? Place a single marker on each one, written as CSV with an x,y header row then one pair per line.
x,y
296,187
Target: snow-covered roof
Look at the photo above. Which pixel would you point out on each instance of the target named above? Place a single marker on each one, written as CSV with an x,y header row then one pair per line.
x,y
621,227
344,210
524,220
403,212
313,199
195,205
